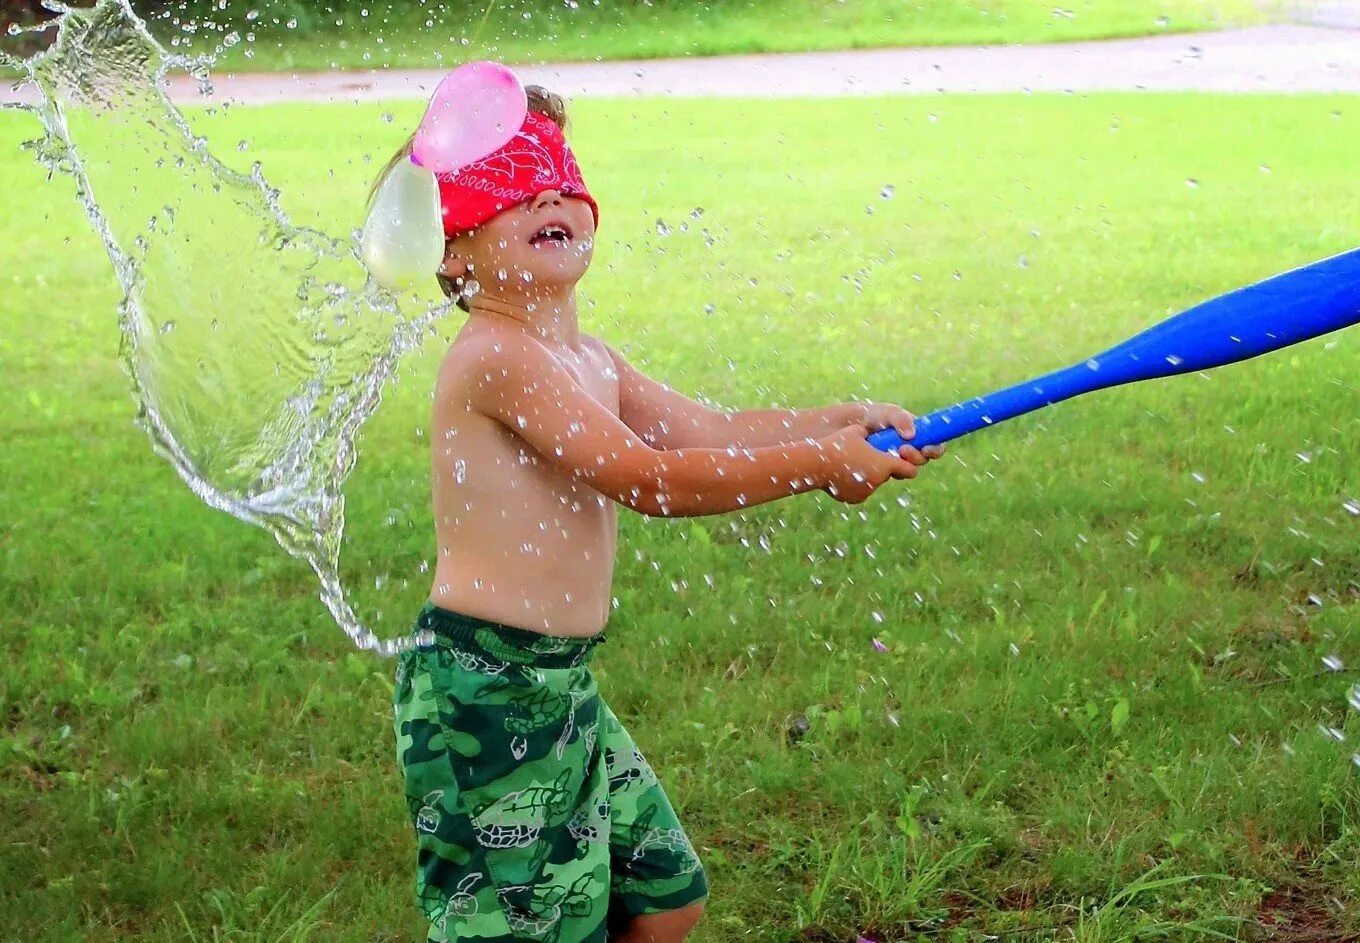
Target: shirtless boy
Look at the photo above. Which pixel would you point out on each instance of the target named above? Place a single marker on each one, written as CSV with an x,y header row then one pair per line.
x,y
536,816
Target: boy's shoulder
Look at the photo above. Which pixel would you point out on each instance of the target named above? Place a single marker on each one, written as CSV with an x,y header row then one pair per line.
x,y
482,344
479,345
482,351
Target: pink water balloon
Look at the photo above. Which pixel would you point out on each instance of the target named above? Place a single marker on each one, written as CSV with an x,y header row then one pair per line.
x,y
477,108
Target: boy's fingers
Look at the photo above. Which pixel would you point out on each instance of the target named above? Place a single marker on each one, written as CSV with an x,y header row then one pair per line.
x,y
905,469
912,454
933,451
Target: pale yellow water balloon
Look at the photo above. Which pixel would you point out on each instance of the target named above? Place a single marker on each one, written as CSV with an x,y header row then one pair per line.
x,y
403,240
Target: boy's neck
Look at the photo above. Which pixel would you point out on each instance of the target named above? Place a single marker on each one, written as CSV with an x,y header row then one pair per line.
x,y
550,319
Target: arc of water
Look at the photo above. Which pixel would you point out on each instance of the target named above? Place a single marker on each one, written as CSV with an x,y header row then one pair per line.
x,y
105,113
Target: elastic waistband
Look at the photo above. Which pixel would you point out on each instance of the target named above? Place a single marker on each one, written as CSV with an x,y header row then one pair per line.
x,y
506,643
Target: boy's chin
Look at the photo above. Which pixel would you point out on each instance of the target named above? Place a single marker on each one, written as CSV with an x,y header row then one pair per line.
x,y
561,274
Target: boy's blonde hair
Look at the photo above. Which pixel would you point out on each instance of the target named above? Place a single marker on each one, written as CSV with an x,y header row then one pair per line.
x,y
543,102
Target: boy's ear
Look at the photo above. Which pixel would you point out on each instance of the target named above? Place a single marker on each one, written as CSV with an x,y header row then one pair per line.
x,y
454,265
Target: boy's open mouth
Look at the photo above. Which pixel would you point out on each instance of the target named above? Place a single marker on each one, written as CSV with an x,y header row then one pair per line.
x,y
553,234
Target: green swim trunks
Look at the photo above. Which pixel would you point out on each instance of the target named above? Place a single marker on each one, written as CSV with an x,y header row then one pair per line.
x,y
536,817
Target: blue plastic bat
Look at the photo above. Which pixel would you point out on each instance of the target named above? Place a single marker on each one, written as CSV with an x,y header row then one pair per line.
x,y
1280,311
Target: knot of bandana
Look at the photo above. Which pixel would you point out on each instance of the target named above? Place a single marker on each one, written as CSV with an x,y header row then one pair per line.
x,y
535,159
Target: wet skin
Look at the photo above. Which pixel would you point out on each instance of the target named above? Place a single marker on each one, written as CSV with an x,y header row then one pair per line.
x,y
540,432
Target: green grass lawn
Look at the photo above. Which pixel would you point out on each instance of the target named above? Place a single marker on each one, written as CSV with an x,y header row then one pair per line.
x,y
299,36
554,32
1099,711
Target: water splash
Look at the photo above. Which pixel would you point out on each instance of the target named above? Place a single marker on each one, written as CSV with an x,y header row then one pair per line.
x,y
253,369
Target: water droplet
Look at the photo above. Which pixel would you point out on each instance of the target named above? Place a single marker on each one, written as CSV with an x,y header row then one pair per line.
x,y
1352,507
1162,21
888,191
1192,183
1198,477
460,471
167,327
1174,360
662,229
1332,733
1333,663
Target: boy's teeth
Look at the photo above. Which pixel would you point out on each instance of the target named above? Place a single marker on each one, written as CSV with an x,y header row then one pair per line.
x,y
556,233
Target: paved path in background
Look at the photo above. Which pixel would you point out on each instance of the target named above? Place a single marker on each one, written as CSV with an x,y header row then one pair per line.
x,y
1282,58
1341,13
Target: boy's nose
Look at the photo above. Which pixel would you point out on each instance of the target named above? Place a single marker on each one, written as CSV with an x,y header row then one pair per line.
x,y
547,198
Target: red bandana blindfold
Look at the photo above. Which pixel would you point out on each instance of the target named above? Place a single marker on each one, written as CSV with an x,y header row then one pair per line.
x,y
535,159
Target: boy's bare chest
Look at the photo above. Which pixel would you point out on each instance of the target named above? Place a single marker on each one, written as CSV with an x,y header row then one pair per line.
x,y
595,374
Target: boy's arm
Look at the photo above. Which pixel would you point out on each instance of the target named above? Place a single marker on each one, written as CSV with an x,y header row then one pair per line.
x,y
667,419
531,394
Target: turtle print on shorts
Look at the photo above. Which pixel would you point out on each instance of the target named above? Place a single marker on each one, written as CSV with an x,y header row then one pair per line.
x,y
536,817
